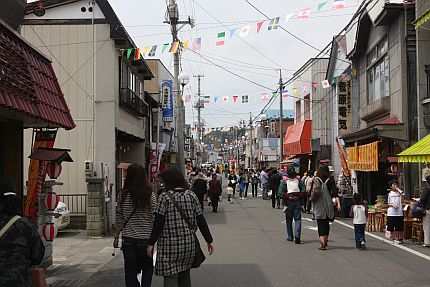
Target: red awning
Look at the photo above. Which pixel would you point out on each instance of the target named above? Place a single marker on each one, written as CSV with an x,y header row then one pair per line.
x,y
28,83
298,138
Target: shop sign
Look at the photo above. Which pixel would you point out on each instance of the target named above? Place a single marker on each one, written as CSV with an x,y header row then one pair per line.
x,y
344,107
167,100
155,161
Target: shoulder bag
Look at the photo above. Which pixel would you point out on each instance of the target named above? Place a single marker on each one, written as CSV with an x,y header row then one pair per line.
x,y
121,228
9,225
314,194
199,256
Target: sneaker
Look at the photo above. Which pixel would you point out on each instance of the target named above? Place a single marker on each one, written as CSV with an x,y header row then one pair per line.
x,y
401,241
363,245
297,240
426,245
396,242
290,239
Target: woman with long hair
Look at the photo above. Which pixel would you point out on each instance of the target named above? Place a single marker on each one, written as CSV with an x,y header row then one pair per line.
x,y
135,205
177,216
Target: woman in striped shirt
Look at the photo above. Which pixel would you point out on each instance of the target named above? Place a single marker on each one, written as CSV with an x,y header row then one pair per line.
x,y
135,205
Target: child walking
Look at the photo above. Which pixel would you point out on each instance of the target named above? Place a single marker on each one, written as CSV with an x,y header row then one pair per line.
x,y
395,212
359,212
230,191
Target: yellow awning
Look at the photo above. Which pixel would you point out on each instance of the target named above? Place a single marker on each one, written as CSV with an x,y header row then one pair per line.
x,y
419,152
422,19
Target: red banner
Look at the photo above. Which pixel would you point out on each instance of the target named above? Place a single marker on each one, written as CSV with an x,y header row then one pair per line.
x,y
37,173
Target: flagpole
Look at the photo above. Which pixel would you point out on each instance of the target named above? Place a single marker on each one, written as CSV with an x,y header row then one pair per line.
x,y
281,121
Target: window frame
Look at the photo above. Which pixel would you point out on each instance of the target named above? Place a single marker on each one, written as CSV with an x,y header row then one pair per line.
x,y
374,66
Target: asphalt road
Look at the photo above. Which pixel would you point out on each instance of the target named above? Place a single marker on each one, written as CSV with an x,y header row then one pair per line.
x,y
251,250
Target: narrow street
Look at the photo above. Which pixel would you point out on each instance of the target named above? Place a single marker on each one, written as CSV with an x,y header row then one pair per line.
x,y
251,250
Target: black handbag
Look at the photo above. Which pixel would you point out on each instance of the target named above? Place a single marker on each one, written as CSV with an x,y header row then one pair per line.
x,y
199,256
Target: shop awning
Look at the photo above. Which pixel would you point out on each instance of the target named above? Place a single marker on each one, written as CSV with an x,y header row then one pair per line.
x,y
29,88
419,152
363,157
422,19
298,138
51,154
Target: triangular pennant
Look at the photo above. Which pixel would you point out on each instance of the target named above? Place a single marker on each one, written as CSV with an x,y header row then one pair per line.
x,y
185,44
216,98
264,96
165,47
235,98
245,99
129,51
220,41
225,99
145,50
304,13
295,90
137,54
288,17
284,93
338,4
232,32
274,24
197,44
314,86
325,84
152,52
174,47
321,5
259,24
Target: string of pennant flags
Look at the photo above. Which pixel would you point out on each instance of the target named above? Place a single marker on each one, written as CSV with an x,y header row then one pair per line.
x,y
222,37
265,96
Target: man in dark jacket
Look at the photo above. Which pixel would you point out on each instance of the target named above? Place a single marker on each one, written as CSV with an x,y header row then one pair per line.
x,y
20,245
200,187
215,191
274,182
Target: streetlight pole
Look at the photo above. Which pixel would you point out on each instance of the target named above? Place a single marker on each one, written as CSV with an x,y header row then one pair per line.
x,y
281,121
252,140
173,14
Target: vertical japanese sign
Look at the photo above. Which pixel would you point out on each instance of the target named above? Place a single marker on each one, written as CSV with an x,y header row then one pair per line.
x,y
37,173
167,100
155,161
344,107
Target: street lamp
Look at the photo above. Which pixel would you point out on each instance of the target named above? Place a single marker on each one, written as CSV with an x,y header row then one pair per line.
x,y
183,79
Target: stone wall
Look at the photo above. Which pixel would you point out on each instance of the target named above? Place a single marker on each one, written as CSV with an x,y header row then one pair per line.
x,y
95,203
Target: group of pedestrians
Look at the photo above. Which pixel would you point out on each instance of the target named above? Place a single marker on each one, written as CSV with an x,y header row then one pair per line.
x,y
169,222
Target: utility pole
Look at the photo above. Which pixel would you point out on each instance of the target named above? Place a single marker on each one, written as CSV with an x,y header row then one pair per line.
x,y
252,140
199,106
173,20
281,120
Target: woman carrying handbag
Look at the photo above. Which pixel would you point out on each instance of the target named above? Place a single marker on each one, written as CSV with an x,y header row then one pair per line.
x,y
177,216
136,202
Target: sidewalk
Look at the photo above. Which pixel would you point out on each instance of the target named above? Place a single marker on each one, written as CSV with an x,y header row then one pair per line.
x,y
77,257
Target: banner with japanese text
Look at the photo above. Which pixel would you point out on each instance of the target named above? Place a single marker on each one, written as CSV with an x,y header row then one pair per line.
x,y
167,100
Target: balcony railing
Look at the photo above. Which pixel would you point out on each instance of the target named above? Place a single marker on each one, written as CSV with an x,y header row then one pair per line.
x,y
132,103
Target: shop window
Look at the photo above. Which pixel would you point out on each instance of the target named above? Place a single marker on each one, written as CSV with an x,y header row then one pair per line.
x,y
378,72
129,80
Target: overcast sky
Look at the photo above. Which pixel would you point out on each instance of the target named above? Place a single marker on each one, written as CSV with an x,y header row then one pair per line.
x,y
270,50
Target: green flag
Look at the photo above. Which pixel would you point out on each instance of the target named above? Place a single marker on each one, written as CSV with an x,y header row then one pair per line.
x,y
165,47
321,5
129,53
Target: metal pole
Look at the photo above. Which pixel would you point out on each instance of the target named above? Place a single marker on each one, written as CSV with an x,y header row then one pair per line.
x,y
252,141
281,121
199,106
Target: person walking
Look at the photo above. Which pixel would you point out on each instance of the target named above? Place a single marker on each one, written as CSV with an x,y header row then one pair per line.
x,y
200,187
323,207
215,191
246,181
176,242
359,213
136,202
264,179
20,244
292,191
241,185
308,182
274,182
395,222
425,200
233,179
254,184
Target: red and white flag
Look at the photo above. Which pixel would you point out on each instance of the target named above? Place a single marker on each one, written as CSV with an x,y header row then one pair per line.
x,y
225,99
325,84
265,96
244,31
338,4
304,13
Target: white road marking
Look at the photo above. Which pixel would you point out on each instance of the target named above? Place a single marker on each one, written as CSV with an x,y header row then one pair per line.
x,y
419,254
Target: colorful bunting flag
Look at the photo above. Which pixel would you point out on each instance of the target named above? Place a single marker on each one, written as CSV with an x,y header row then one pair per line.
x,y
245,99
295,90
265,96
220,39
232,32
304,13
152,52
314,86
274,24
235,98
284,93
244,31
334,80
145,50
174,47
321,5
338,4
274,94
216,98
129,53
206,99
288,17
225,99
325,84
185,44
197,44
165,47
188,98
305,89
137,54
259,24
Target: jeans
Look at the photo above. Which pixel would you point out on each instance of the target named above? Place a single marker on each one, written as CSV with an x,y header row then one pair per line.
x,y
183,279
359,234
275,200
136,261
246,189
294,211
254,190
265,186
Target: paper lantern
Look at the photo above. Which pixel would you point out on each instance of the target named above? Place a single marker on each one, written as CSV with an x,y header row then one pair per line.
x,y
53,169
49,231
51,200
